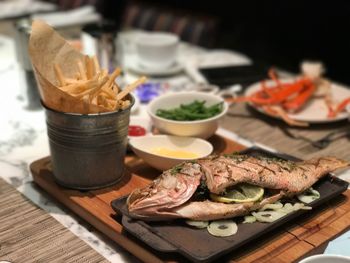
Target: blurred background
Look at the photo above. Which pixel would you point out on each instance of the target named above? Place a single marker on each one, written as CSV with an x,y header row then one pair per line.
x,y
279,33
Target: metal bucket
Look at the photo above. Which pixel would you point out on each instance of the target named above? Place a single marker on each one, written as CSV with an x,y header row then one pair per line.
x,y
88,151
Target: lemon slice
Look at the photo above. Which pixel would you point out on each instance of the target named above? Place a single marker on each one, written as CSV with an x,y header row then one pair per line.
x,y
248,193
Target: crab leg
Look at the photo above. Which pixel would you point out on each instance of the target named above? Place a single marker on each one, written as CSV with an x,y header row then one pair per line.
x,y
272,74
277,97
329,103
266,90
279,112
270,91
288,90
341,106
296,103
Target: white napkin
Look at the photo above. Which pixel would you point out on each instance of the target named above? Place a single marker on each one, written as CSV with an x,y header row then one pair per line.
x,y
79,16
220,58
15,8
191,69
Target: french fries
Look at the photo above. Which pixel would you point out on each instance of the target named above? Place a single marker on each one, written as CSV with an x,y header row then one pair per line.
x,y
93,85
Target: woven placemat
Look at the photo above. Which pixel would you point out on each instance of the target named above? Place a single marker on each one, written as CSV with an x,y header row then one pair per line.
x,y
29,234
255,126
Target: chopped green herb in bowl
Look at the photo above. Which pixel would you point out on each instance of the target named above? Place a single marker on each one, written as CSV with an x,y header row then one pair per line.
x,y
195,110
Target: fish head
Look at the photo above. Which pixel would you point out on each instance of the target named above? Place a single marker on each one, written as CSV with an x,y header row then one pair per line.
x,y
173,188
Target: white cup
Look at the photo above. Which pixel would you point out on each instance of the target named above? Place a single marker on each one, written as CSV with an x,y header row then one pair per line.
x,y
157,50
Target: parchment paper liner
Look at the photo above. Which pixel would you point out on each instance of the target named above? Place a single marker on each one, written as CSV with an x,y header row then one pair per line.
x,y
47,47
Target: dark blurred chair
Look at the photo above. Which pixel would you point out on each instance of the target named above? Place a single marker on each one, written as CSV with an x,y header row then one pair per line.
x,y
195,28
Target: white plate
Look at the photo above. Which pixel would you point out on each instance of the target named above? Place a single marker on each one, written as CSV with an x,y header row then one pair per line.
x,y
316,110
326,259
139,69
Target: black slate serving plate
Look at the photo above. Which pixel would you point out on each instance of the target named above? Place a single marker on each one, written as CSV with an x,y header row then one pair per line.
x,y
197,244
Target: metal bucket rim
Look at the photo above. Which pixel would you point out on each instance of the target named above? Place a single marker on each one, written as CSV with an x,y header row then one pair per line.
x,y
90,115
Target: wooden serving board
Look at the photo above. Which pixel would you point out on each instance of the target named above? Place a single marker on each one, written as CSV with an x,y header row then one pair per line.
x,y
286,244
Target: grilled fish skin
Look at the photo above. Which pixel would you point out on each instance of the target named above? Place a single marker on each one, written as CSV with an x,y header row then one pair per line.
x,y
291,177
169,196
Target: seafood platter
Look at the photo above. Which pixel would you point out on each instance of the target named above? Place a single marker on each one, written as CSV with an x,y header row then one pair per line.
x,y
301,100
188,194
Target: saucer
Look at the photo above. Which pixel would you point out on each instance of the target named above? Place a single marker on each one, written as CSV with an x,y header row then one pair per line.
x,y
140,69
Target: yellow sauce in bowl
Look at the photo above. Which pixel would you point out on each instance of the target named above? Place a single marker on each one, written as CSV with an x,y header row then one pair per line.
x,y
174,153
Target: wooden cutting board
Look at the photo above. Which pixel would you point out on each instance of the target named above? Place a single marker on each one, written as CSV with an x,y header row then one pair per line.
x,y
287,244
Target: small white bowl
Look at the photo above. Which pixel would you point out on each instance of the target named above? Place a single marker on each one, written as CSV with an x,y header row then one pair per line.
x,y
200,128
324,258
143,147
157,50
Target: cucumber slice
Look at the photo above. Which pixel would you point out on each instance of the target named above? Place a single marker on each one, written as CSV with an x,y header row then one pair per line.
x,y
222,228
197,224
301,206
268,216
274,206
309,196
287,208
249,219
279,211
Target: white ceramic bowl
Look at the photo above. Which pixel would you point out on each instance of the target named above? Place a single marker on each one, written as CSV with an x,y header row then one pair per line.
x,y
157,50
201,128
143,147
324,258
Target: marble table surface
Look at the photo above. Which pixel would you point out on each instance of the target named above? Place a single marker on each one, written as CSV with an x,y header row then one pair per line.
x,y
23,140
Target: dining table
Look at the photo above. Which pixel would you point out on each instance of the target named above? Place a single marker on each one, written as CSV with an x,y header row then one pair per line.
x,y
34,227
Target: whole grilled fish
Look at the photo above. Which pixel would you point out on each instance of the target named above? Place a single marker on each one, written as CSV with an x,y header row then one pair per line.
x,y
174,193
